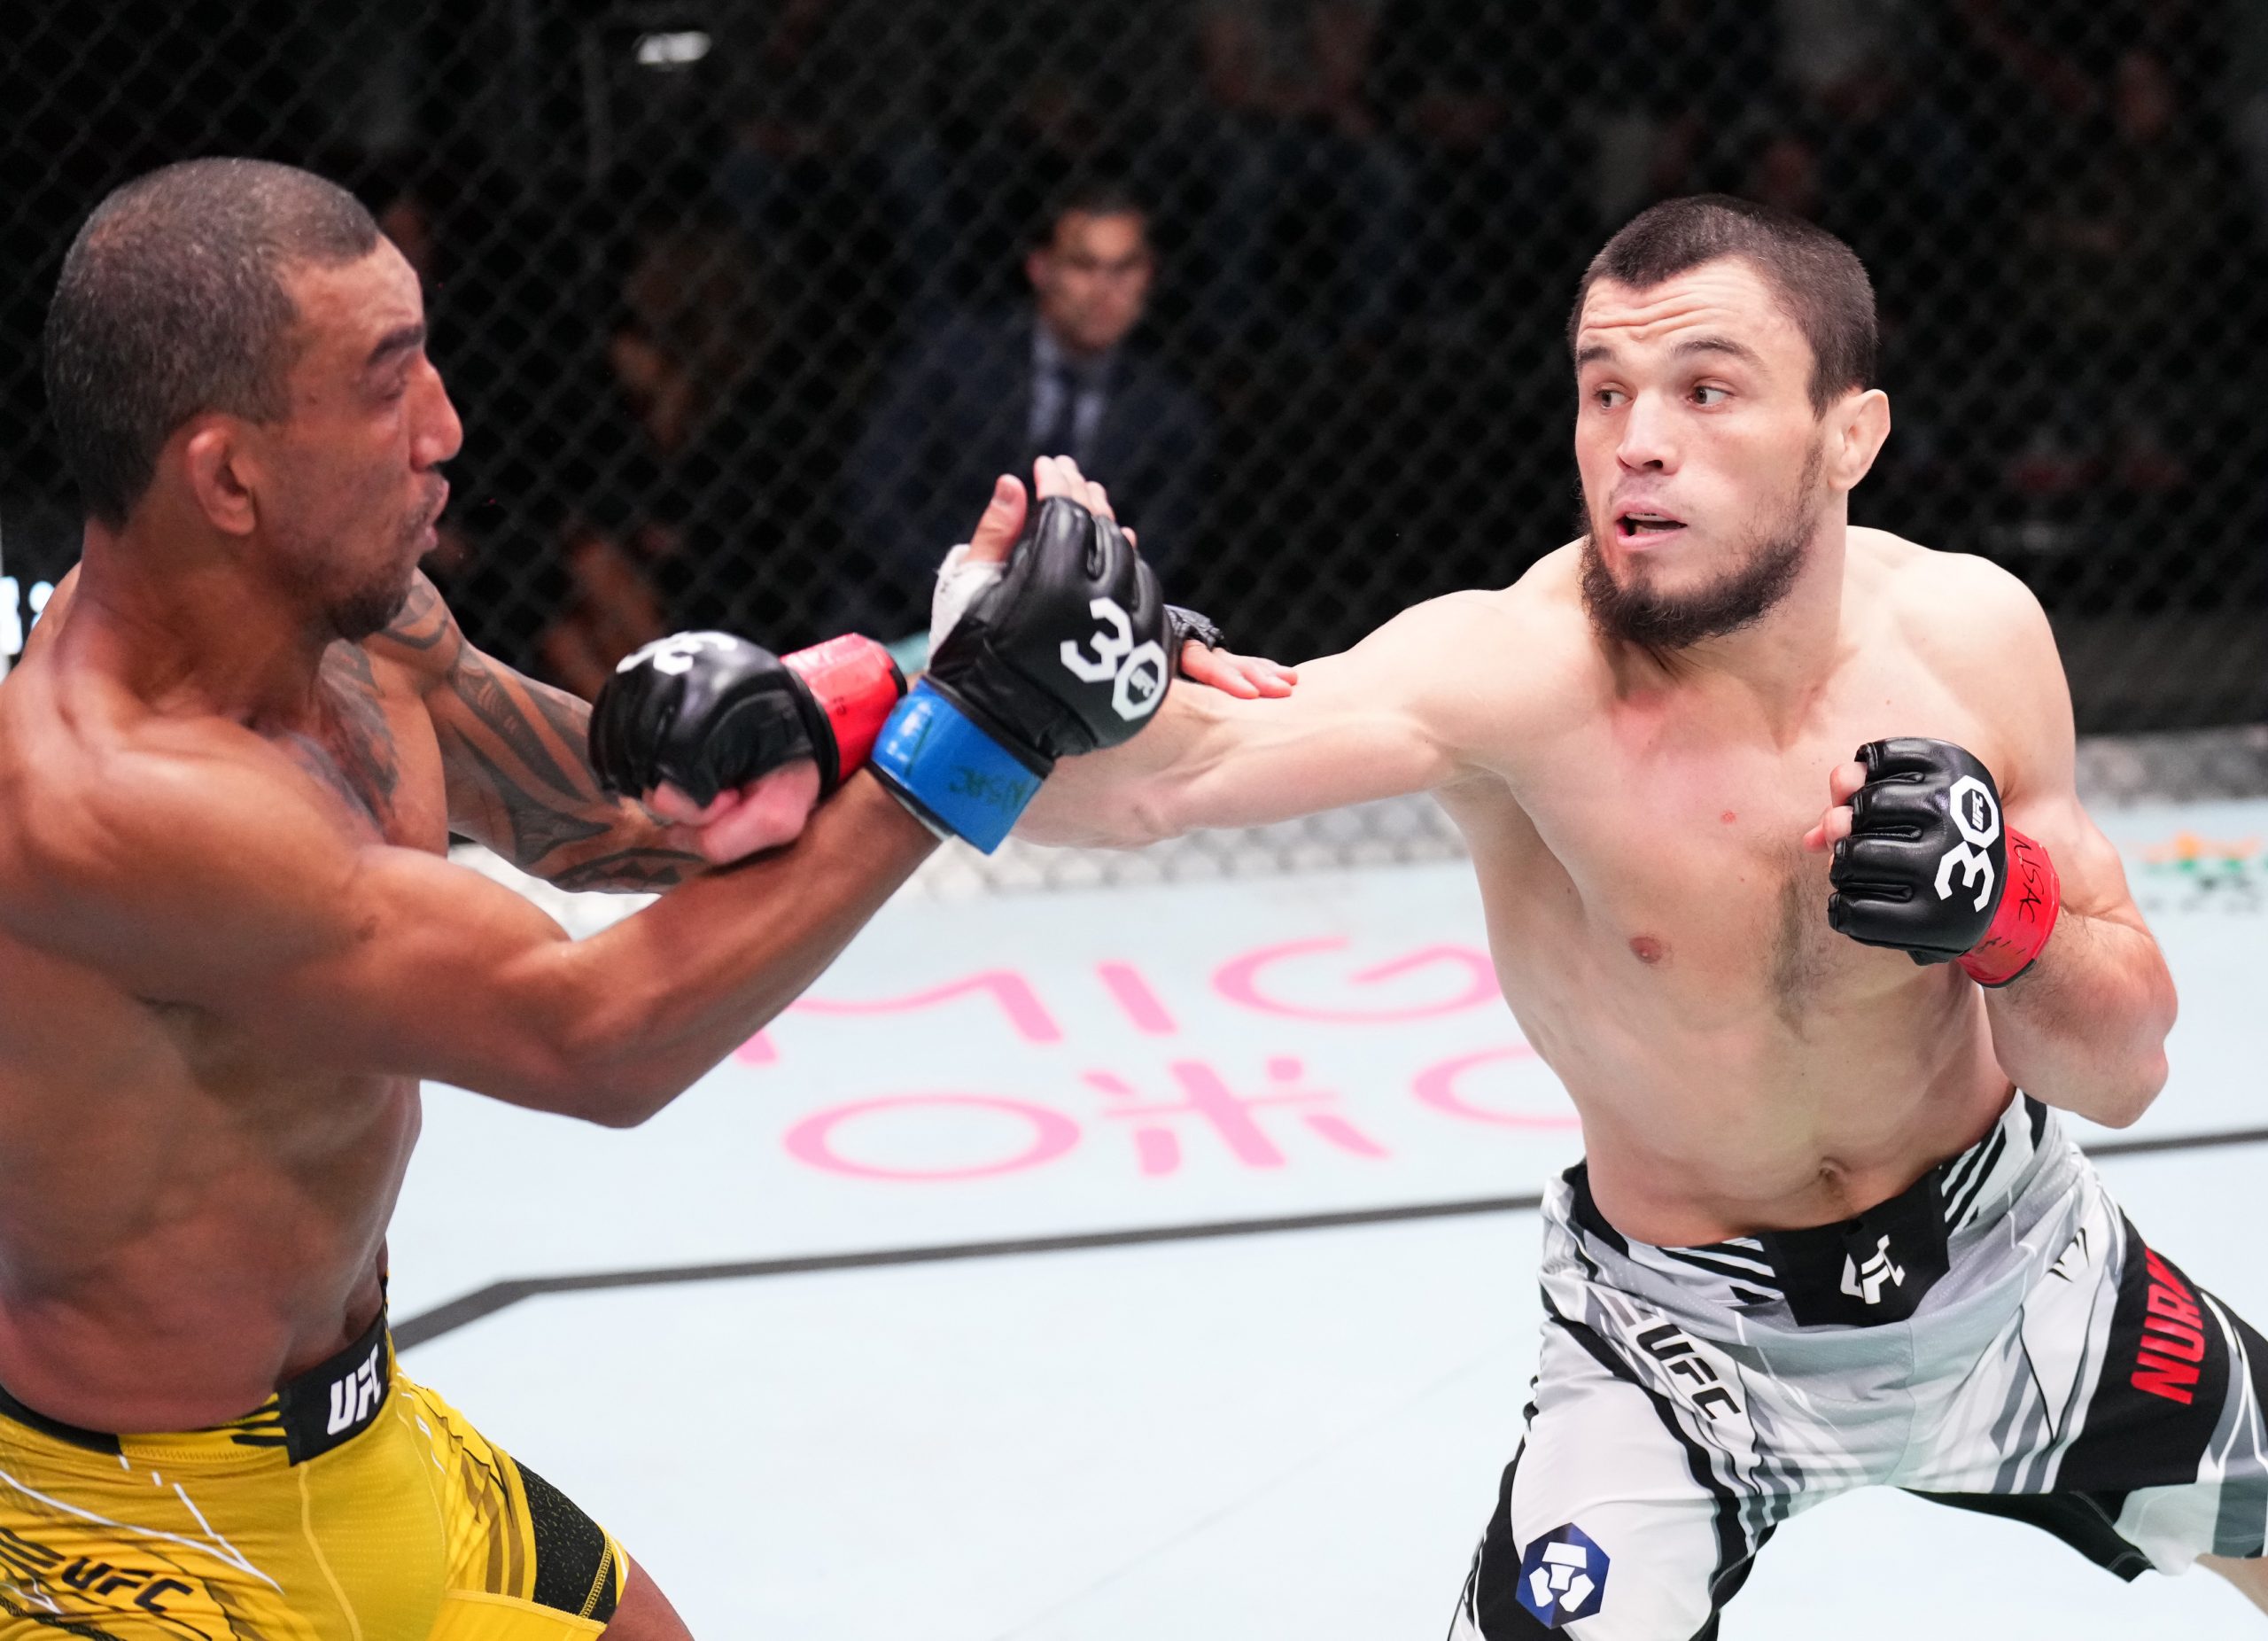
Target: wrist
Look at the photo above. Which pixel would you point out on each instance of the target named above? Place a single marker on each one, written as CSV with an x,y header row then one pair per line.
x,y
2030,905
951,771
850,685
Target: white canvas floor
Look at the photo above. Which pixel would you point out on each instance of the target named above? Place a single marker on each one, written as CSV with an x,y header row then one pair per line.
x,y
1286,1433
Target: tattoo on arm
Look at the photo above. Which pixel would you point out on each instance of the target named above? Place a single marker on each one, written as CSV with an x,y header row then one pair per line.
x,y
630,871
424,622
519,774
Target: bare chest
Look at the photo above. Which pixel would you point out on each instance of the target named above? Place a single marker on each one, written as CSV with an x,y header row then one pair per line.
x,y
373,750
1703,884
1684,844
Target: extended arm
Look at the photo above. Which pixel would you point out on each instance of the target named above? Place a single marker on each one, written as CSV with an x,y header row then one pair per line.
x,y
225,885
1407,710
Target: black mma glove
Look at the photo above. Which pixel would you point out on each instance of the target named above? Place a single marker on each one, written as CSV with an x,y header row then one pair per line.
x,y
1184,626
1065,653
1926,866
707,713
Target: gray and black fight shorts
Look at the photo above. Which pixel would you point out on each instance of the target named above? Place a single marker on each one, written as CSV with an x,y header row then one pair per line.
x,y
1997,1337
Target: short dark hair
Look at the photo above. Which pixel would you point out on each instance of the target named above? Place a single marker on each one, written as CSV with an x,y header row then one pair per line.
x,y
172,302
1818,279
1088,198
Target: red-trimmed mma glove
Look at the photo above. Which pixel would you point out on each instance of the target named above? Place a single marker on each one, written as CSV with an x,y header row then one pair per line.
x,y
708,713
1932,868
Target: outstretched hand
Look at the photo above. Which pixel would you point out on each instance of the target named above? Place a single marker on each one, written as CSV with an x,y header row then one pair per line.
x,y
1246,677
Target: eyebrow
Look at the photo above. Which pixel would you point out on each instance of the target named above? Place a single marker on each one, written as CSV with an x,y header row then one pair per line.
x,y
1717,345
401,339
1725,344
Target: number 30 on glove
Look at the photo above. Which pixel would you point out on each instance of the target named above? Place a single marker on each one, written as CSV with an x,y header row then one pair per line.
x,y
1932,868
1065,653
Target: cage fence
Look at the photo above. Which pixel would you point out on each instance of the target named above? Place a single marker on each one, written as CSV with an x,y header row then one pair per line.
x,y
743,301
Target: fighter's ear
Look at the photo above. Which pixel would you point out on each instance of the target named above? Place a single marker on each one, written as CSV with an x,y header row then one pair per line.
x,y
1856,428
213,459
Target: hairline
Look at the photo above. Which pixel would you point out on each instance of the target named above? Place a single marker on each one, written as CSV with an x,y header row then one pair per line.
x,y
1104,213
288,221
1775,290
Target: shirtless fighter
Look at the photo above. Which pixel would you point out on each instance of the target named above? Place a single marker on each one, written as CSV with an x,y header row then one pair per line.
x,y
229,763
1821,1241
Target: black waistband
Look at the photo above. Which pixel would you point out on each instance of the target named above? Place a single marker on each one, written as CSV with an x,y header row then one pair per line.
x,y
1862,1271
336,1400
328,1405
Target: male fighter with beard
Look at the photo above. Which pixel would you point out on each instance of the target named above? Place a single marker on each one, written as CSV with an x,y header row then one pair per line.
x,y
1830,1232
229,947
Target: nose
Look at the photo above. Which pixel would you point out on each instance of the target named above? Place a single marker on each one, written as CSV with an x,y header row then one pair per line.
x,y
1648,442
438,434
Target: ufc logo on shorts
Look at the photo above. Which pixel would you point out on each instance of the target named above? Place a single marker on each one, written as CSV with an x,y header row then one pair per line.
x,y
1977,814
1865,1282
1136,671
353,1397
675,653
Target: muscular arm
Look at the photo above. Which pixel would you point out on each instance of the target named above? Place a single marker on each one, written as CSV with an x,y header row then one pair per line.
x,y
1407,710
223,882
2084,1028
518,773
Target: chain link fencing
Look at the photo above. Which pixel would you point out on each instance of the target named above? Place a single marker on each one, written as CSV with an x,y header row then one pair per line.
x,y
742,300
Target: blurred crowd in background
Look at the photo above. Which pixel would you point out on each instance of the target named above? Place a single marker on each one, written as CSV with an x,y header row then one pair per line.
x,y
744,304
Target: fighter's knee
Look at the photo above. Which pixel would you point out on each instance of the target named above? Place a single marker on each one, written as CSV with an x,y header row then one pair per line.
x,y
644,1613
2249,1574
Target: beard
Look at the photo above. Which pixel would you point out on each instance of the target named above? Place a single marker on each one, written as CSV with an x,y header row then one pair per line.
x,y
1772,557
356,612
370,609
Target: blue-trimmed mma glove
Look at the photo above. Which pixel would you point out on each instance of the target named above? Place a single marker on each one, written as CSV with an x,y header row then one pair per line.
x,y
1062,652
708,713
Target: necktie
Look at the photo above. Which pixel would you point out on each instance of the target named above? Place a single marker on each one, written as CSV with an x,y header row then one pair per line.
x,y
1059,435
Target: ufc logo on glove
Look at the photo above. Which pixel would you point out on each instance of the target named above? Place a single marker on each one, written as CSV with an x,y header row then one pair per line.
x,y
1061,651
1136,671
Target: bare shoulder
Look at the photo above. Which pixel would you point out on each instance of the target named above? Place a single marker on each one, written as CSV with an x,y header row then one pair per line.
x,y
1959,612
423,639
130,843
1483,666
1983,633
1547,651
1527,635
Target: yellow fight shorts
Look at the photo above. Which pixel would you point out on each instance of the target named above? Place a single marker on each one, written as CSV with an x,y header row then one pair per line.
x,y
352,1506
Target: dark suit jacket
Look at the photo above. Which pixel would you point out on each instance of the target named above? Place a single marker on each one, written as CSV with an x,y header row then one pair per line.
x,y
955,414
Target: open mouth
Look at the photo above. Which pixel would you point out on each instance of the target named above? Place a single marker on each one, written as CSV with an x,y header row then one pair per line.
x,y
1641,524
431,515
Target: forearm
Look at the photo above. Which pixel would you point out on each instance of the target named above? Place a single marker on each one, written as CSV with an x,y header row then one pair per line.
x,y
649,1006
521,782
2084,1028
567,829
1131,795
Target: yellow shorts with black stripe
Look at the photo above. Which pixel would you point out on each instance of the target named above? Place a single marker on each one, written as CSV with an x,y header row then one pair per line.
x,y
354,1505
